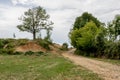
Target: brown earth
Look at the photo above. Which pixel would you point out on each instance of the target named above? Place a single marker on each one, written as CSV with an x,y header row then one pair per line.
x,y
105,70
30,46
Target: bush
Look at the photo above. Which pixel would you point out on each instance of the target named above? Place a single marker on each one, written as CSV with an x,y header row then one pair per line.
x,y
64,47
3,51
18,53
22,41
1,44
40,53
112,50
7,51
44,44
29,53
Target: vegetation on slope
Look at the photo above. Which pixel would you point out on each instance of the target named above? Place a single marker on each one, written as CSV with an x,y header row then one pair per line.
x,y
91,37
48,67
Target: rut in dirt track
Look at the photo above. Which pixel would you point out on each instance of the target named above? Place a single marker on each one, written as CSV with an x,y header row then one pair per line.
x,y
105,70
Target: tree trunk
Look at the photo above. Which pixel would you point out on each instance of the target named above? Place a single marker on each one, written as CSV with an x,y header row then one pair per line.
x,y
34,35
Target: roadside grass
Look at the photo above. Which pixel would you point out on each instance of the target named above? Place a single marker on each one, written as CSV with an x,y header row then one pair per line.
x,y
49,67
112,61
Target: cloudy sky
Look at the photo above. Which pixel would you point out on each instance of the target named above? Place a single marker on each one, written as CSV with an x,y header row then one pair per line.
x,y
62,13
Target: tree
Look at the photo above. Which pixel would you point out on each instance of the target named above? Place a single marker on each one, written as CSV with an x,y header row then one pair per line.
x,y
83,19
84,38
64,46
117,25
34,20
114,28
47,38
111,31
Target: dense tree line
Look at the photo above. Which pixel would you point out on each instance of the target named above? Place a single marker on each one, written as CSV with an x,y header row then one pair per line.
x,y
91,37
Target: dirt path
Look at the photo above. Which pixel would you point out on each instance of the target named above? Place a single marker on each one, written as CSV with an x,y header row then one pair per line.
x,y
105,70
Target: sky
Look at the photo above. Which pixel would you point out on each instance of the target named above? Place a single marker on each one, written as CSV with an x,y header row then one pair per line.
x,y
62,12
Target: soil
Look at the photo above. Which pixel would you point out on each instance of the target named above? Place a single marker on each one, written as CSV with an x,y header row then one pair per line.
x,y
30,46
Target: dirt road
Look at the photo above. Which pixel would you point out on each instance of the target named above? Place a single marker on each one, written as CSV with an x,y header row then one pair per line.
x,y
105,70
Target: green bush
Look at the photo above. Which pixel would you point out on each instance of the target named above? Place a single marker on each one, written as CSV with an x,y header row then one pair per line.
x,y
44,44
64,47
22,41
3,51
40,53
18,53
29,53
112,50
7,51
1,44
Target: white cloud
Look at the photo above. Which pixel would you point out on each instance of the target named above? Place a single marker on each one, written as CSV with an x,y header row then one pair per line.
x,y
9,19
20,1
62,12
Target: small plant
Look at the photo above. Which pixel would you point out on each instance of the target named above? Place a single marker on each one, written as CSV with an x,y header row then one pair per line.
x,y
40,53
29,53
1,44
64,46
17,53
7,51
22,41
44,44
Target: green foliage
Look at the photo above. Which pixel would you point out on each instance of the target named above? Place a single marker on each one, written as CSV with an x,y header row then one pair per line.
x,y
29,53
18,53
40,53
100,40
91,38
1,44
84,38
112,50
114,28
44,44
7,51
64,47
34,20
83,19
20,42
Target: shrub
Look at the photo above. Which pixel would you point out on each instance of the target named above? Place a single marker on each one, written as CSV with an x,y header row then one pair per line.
x,y
1,44
7,51
64,46
3,51
44,44
29,53
40,53
18,53
22,41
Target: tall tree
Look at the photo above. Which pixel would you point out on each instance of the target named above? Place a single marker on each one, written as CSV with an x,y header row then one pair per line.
x,y
84,18
84,38
34,20
117,25
114,28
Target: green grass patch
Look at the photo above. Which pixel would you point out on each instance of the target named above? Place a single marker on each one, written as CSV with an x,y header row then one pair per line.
x,y
49,67
112,61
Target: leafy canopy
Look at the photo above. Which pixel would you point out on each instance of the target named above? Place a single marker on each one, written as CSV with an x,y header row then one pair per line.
x,y
83,19
84,37
34,20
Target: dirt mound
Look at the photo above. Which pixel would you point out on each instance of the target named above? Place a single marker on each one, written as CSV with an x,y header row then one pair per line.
x,y
55,48
30,46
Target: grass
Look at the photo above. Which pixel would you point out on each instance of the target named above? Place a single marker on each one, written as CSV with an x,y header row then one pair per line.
x,y
49,67
112,61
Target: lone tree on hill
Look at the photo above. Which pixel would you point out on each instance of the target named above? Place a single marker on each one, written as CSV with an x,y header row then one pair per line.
x,y
34,20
